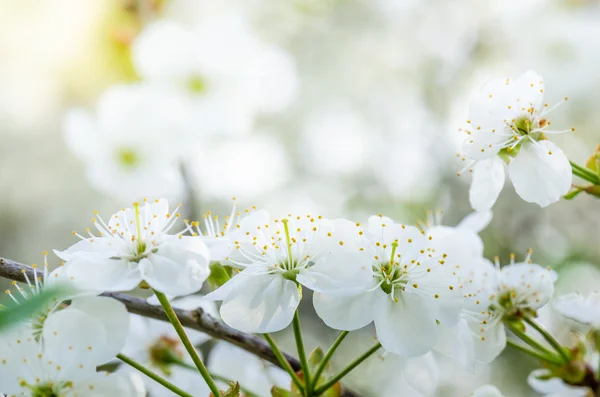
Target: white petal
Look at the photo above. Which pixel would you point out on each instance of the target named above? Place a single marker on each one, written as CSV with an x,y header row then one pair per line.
x,y
180,267
529,90
476,221
253,374
488,180
95,271
541,173
347,312
578,308
422,374
489,343
263,303
74,341
104,384
458,343
114,317
219,247
163,51
487,391
339,273
407,327
554,386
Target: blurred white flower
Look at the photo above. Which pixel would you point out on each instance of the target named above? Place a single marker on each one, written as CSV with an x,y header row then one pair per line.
x,y
508,124
247,167
232,363
135,246
229,75
132,146
276,255
394,275
575,306
542,382
336,141
74,344
487,391
390,375
156,345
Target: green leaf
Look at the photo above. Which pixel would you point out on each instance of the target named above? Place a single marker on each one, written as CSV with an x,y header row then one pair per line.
x,y
12,313
219,274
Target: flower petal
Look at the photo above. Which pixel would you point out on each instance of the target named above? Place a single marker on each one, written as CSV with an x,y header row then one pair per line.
x,y
347,312
178,268
113,316
96,271
339,273
105,384
541,173
74,341
476,221
260,304
408,326
488,180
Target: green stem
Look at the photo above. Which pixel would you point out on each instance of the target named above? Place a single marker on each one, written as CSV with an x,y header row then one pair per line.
x,y
301,351
153,376
530,341
347,370
549,338
585,173
533,353
187,343
284,363
328,355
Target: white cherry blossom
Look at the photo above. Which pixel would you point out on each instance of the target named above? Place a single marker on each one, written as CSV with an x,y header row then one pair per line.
x,y
109,312
74,344
497,294
132,145
228,73
399,277
135,246
276,256
508,125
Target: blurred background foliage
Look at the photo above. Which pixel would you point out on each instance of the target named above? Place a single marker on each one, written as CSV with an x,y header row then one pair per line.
x,y
384,87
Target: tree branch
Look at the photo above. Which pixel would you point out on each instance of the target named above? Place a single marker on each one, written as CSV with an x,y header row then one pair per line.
x,y
195,319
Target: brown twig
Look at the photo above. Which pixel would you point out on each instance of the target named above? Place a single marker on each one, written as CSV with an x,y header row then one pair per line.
x,y
195,319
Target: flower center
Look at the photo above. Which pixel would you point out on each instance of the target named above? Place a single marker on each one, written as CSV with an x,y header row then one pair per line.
x,y
49,389
389,275
128,158
510,307
196,84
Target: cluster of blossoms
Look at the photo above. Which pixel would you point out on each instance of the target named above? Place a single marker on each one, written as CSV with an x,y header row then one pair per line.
x,y
426,288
